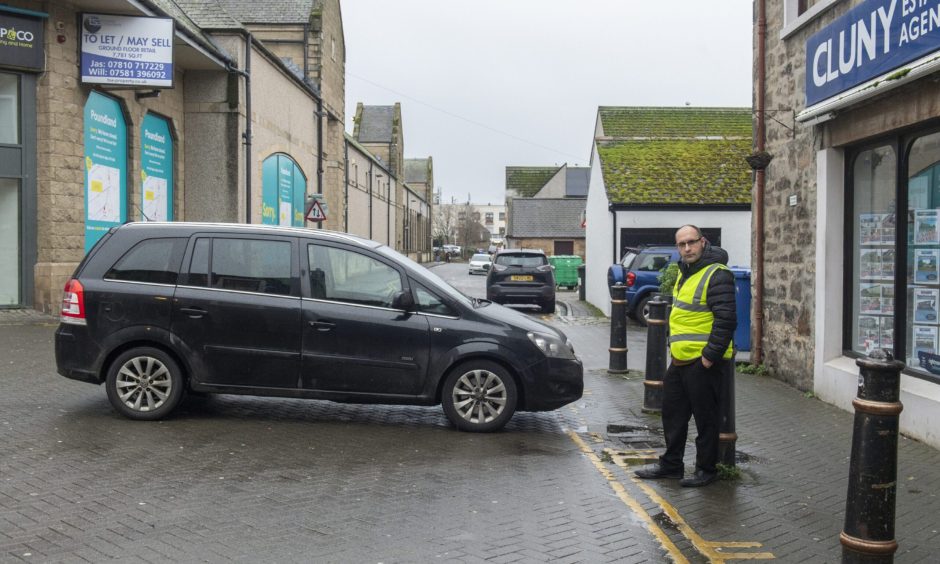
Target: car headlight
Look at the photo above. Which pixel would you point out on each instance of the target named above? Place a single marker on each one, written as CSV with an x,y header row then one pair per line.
x,y
551,345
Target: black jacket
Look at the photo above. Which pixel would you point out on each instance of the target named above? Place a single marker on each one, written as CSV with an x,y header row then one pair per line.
x,y
719,298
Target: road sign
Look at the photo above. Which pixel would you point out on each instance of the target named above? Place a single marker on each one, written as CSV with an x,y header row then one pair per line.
x,y
315,211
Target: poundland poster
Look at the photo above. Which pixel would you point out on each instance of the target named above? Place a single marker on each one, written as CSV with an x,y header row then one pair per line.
x,y
105,134
156,174
129,51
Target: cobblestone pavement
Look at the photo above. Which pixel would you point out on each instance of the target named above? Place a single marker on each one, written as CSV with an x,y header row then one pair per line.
x,y
233,478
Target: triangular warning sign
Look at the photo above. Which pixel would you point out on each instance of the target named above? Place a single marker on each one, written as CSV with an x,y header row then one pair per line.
x,y
315,212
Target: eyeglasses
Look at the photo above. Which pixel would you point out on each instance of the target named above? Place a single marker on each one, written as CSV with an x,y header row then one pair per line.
x,y
689,243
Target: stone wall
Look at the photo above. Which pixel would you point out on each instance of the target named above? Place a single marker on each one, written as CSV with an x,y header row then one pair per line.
x,y
546,245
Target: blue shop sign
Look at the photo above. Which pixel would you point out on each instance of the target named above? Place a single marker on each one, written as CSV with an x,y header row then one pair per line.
x,y
868,41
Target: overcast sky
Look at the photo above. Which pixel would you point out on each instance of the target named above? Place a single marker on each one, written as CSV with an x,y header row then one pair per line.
x,y
486,84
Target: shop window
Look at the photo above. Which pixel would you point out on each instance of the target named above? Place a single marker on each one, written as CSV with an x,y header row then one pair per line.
x,y
283,191
9,109
874,175
923,256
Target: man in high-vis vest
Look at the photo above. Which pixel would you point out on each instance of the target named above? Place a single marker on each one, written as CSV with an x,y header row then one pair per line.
x,y
701,325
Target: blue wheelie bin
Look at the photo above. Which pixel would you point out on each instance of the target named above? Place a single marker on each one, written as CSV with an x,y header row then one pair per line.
x,y
742,293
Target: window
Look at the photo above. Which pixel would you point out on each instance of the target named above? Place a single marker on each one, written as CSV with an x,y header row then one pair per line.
x,y
489,218
502,216
874,175
9,109
521,260
347,276
428,302
156,261
652,262
245,265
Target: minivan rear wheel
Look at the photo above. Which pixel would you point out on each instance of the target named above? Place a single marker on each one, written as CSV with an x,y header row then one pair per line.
x,y
144,383
479,396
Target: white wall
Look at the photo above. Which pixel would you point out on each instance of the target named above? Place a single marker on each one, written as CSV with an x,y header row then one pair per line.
x,y
598,239
835,378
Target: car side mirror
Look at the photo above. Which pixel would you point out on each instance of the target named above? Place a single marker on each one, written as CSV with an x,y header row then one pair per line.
x,y
403,300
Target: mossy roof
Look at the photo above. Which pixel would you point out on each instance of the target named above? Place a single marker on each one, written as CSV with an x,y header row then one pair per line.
x,y
676,171
648,122
526,181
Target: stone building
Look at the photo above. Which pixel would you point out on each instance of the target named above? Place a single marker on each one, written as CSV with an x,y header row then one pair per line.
x,y
215,127
552,225
846,113
656,169
372,193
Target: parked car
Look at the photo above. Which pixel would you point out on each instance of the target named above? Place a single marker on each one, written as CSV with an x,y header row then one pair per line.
x,y
639,271
480,262
158,309
521,276
454,250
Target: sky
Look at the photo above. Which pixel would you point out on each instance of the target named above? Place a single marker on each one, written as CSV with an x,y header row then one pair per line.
x,y
487,84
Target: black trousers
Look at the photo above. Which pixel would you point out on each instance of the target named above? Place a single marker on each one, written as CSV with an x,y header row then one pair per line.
x,y
691,391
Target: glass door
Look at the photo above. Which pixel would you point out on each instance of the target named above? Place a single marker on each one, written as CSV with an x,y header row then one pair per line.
x,y
10,190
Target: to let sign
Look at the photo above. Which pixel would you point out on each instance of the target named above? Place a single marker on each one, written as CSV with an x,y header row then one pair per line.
x,y
870,40
127,51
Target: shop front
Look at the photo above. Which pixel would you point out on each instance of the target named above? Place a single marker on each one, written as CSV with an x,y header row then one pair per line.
x,y
21,59
866,115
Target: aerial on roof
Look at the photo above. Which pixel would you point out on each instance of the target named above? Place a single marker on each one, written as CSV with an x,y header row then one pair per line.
x,y
546,217
376,124
646,122
526,181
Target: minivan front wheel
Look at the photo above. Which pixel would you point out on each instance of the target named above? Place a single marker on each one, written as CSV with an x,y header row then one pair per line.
x,y
144,383
479,396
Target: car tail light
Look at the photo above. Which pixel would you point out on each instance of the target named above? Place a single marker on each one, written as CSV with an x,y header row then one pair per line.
x,y
73,303
499,267
545,268
631,279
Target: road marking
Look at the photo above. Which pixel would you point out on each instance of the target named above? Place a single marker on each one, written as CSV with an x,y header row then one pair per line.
x,y
634,505
710,549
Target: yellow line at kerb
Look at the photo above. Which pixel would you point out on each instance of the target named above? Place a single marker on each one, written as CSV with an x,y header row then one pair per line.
x,y
709,549
633,504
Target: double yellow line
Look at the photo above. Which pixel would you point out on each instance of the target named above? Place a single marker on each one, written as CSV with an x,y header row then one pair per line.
x,y
712,550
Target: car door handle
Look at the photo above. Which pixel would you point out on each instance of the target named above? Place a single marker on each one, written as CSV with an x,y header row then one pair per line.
x,y
322,325
194,312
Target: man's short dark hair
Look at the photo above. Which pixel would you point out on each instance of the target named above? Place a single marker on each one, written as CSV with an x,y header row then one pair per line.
x,y
697,230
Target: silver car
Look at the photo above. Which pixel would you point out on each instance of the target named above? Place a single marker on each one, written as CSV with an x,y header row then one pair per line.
x,y
480,262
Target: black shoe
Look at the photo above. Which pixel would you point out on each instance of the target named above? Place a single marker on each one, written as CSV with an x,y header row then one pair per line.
x,y
699,479
656,472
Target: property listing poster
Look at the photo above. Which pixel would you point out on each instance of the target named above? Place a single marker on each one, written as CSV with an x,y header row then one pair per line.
x,y
925,227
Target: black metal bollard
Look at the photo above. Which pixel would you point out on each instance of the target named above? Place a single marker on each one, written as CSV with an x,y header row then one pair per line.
x,y
618,330
581,281
656,329
727,437
868,534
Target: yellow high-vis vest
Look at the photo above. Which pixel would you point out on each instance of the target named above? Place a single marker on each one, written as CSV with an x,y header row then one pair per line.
x,y
690,322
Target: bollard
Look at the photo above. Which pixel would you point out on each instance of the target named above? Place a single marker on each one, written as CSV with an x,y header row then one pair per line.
x,y
727,437
868,534
581,272
656,330
618,330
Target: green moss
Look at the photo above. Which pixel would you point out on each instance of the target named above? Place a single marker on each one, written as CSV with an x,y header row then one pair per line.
x,y
675,122
728,473
898,74
677,171
528,180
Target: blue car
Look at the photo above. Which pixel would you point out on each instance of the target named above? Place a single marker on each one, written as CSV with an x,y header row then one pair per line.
x,y
639,271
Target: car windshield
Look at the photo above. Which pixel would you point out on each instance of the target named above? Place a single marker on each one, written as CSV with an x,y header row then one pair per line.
x,y
526,260
484,258
427,276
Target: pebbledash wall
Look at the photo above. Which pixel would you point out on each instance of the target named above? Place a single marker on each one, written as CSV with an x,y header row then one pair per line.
x,y
852,195
206,114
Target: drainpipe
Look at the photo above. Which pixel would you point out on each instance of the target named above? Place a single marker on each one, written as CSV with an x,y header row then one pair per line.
x,y
370,198
346,186
320,116
388,220
757,357
246,136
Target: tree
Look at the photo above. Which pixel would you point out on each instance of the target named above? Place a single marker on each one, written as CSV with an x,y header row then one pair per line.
x,y
445,223
470,230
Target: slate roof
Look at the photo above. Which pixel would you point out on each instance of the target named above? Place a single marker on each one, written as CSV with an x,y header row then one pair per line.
x,y
376,124
676,156
550,218
416,170
192,24
269,11
576,182
528,180
207,14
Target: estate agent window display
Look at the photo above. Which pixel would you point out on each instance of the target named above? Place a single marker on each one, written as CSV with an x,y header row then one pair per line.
x,y
878,247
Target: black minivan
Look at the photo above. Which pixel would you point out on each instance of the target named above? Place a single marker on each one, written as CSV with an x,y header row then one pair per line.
x,y
158,309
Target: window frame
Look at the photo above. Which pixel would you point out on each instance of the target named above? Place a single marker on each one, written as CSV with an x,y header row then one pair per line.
x,y
186,271
902,142
181,240
306,290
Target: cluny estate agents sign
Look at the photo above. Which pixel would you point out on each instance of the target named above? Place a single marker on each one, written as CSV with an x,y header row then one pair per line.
x,y
127,51
868,41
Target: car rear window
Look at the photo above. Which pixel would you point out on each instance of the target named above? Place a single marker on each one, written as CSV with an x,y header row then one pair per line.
x,y
156,261
481,257
526,260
